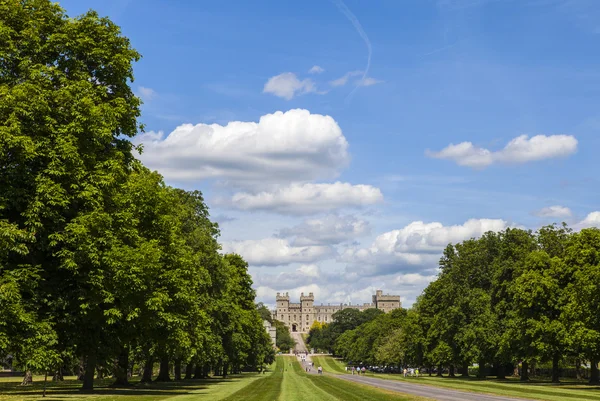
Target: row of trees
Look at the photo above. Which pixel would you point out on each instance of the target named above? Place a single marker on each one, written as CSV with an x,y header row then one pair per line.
x,y
283,338
510,298
100,262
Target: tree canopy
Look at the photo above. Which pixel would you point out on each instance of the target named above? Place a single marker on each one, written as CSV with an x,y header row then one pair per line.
x,y
100,261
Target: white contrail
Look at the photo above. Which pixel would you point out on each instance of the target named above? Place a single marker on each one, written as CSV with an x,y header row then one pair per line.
x,y
352,18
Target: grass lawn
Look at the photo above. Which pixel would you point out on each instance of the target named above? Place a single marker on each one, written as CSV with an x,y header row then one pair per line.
x,y
540,390
289,382
329,364
209,389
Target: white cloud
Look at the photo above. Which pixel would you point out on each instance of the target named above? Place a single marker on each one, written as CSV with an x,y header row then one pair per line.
x,y
521,149
146,94
368,81
591,220
554,211
276,251
316,70
415,247
332,229
287,85
309,198
281,147
343,80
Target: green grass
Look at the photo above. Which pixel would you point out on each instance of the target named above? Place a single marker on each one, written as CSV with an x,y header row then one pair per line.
x,y
209,389
539,390
289,382
265,388
329,364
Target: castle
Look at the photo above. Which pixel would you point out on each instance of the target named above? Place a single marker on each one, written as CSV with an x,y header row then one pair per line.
x,y
300,316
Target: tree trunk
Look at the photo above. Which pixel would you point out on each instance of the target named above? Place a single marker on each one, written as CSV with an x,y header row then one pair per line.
x,y
90,370
147,375
28,379
121,368
451,371
594,376
481,369
189,370
440,370
500,371
177,369
525,372
163,373
45,382
206,371
430,368
465,370
555,371
225,369
198,372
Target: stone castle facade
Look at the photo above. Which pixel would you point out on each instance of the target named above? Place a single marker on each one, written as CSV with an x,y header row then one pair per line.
x,y
298,317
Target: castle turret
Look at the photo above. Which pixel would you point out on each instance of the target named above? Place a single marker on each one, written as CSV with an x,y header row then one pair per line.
x,y
283,307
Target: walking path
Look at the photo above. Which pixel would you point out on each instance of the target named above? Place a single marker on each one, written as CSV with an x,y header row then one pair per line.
x,y
435,393
425,391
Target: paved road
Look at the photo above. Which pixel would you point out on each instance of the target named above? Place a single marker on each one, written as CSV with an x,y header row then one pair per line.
x,y
435,393
300,346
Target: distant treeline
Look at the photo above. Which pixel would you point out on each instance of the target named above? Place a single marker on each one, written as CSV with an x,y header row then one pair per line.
x,y
512,301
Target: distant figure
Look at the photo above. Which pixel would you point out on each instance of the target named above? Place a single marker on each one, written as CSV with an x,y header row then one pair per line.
x,y
363,370
417,372
405,372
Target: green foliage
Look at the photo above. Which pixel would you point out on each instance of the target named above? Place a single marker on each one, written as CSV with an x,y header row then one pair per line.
x,y
283,339
500,300
100,261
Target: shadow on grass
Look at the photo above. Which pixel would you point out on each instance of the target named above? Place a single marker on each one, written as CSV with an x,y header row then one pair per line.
x,y
105,387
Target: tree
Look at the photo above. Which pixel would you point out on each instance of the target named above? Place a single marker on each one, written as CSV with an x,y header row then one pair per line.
x,y
65,119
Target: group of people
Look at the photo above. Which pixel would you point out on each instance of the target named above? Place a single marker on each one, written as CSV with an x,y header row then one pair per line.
x,y
411,372
358,370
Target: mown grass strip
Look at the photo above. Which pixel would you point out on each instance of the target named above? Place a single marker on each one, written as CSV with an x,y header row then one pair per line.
x,y
347,391
329,364
266,388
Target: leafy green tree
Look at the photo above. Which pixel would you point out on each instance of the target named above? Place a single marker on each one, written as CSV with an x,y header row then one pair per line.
x,y
66,114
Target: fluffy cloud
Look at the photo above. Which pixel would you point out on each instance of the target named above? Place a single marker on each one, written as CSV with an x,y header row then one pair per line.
x,y
281,147
554,211
591,220
521,149
287,85
302,276
415,247
332,229
316,70
276,251
309,198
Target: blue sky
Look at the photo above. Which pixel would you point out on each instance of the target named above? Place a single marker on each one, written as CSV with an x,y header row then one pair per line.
x,y
366,198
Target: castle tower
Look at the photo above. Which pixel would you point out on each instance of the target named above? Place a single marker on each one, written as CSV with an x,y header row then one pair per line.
x,y
308,311
283,307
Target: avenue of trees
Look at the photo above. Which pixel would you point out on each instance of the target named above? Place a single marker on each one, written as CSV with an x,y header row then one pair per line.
x,y
510,299
103,267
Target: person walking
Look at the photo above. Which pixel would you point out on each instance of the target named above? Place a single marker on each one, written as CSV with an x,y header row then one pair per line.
x,y
417,372
363,370
405,371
